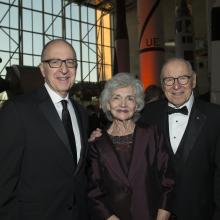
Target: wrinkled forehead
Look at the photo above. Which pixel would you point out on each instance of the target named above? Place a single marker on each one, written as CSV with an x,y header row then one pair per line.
x,y
123,90
176,69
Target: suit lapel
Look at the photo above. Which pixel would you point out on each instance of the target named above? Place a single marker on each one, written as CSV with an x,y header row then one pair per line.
x,y
109,155
139,145
195,124
165,127
82,138
47,107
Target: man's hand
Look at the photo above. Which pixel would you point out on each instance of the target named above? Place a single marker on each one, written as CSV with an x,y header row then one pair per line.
x,y
113,217
162,214
96,133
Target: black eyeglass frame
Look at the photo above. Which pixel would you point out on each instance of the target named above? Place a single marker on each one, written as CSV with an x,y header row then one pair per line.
x,y
49,61
173,79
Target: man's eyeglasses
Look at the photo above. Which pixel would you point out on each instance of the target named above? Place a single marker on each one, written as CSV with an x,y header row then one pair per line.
x,y
182,80
57,63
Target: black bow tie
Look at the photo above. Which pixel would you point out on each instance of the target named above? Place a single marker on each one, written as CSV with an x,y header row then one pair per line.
x,y
182,110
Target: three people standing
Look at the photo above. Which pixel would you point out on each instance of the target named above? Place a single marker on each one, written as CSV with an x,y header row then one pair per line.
x,y
42,164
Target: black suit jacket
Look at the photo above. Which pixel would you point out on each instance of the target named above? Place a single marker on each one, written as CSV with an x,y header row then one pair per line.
x,y
197,160
37,179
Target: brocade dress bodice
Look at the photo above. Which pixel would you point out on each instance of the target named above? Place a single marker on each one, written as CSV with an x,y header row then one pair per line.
x,y
123,146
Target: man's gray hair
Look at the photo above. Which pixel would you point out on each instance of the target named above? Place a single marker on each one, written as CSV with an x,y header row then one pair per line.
x,y
122,80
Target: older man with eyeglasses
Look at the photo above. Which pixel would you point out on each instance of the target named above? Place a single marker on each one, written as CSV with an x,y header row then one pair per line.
x,y
43,145
192,130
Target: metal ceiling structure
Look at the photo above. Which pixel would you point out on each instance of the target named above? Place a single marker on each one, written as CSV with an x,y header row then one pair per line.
x,y
14,53
105,5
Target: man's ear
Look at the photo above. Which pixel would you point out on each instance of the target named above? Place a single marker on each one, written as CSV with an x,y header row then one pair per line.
x,y
41,66
194,80
161,82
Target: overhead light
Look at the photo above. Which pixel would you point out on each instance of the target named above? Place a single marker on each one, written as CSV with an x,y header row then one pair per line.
x,y
169,44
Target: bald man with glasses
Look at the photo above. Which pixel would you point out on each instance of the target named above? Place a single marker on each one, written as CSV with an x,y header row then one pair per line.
x,y
192,130
43,145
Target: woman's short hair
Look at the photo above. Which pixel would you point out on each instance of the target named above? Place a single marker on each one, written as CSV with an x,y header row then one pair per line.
x,y
122,80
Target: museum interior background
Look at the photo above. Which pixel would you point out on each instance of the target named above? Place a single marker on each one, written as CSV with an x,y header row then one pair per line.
x,y
110,36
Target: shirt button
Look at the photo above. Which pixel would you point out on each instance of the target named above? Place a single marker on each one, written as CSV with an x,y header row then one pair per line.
x,y
74,200
70,207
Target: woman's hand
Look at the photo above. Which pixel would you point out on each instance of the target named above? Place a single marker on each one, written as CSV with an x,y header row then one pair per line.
x,y
96,133
113,217
163,214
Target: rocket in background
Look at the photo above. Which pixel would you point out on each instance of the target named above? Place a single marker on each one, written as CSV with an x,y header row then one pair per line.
x,y
151,42
214,49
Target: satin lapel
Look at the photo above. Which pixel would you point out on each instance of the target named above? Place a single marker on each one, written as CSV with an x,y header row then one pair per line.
x,y
139,145
165,126
109,155
195,124
50,113
82,136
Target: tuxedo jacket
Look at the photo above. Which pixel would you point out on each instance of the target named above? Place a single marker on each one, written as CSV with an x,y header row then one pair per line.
x,y
137,195
37,177
197,160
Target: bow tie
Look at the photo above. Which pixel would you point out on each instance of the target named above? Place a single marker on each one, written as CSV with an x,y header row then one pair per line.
x,y
182,110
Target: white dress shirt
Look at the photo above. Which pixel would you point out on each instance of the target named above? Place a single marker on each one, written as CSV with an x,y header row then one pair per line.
x,y
178,123
56,99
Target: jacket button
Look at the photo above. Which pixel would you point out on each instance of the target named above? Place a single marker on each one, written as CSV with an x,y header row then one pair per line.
x,y
74,199
177,156
126,189
69,207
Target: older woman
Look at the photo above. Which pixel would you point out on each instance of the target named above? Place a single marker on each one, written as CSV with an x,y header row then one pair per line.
x,y
128,166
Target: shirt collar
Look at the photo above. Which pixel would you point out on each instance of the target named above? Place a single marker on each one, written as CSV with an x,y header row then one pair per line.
x,y
188,104
53,95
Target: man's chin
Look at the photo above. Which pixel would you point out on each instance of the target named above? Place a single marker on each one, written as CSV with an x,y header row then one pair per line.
x,y
177,105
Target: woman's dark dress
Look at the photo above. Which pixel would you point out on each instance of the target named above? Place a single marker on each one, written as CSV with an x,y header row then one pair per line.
x,y
129,176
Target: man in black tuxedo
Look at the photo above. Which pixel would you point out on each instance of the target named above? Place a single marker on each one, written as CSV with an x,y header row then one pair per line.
x,y
41,167
192,129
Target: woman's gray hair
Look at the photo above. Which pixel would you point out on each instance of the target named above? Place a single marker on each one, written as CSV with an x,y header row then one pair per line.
x,y
122,80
